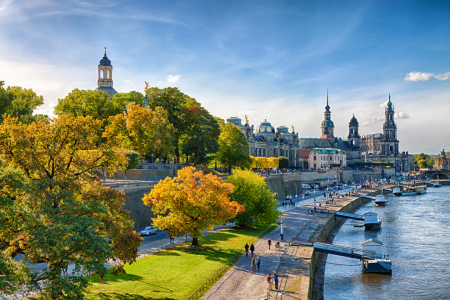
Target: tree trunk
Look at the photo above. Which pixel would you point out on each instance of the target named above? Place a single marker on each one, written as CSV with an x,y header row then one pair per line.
x,y
194,241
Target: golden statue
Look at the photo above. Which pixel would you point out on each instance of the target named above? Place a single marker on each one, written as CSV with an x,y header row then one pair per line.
x,y
293,129
246,119
146,85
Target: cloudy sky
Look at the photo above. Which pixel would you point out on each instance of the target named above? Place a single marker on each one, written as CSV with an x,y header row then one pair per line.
x,y
270,60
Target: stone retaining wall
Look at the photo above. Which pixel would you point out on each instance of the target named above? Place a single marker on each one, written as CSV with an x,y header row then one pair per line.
x,y
324,231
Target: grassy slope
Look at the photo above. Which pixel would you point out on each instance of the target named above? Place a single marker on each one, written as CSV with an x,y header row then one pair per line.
x,y
175,273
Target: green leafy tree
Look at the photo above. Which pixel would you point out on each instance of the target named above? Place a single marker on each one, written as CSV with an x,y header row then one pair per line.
x,y
52,209
143,130
251,191
19,102
233,148
201,135
283,162
133,161
120,100
174,103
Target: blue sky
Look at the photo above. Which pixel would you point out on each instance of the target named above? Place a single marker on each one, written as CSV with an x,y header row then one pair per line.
x,y
270,60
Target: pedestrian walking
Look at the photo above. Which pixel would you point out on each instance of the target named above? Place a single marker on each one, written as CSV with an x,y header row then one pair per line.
x,y
246,249
269,281
275,278
269,242
252,248
258,262
253,263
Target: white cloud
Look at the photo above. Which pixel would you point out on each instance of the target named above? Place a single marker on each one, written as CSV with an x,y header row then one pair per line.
x,y
246,112
378,119
365,124
418,76
402,115
172,78
384,104
127,81
444,76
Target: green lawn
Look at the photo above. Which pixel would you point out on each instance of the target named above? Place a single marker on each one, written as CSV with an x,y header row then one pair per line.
x,y
175,273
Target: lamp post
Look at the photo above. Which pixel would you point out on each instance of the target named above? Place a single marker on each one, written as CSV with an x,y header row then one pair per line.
x,y
315,207
152,161
281,230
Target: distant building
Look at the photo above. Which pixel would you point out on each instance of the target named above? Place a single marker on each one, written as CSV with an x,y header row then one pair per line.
x,y
327,140
105,82
442,161
384,147
268,142
327,158
303,158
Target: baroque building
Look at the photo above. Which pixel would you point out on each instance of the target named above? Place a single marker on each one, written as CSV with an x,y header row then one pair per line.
x,y
267,141
384,147
327,157
351,147
105,82
442,161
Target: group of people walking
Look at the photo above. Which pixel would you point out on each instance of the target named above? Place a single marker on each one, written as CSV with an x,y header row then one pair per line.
x,y
256,263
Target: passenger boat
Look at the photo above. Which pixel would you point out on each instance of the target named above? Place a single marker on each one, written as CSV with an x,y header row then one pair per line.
x,y
420,190
380,200
409,191
436,184
396,191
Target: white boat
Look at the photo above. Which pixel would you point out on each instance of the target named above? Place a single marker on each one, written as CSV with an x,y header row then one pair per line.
x,y
396,191
436,184
380,200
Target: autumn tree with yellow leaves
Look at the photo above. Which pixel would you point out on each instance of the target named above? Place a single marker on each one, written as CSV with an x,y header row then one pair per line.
x,y
191,203
53,210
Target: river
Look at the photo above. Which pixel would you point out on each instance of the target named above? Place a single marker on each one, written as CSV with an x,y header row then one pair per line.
x,y
416,234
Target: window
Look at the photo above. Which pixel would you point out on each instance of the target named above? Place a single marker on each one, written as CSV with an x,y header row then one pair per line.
x,y
314,159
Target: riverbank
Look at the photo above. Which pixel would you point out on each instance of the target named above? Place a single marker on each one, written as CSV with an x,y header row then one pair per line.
x,y
320,231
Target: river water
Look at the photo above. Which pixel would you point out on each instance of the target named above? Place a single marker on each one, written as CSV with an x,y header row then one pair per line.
x,y
416,234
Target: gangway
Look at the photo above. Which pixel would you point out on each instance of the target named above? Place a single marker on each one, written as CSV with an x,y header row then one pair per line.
x,y
371,264
349,216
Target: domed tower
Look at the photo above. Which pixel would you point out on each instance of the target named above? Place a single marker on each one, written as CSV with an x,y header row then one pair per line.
x,y
327,124
390,142
353,135
105,82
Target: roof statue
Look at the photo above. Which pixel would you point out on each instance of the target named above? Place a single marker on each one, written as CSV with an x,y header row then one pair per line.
x,y
146,86
246,119
293,128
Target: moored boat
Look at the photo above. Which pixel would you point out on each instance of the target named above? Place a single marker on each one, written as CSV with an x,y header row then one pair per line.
x,y
436,184
380,200
396,191
420,190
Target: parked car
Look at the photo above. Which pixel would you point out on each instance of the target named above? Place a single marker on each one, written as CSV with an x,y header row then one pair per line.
x,y
329,189
288,197
307,193
149,230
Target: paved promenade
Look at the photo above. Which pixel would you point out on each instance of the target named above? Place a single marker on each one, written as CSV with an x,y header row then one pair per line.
x,y
240,282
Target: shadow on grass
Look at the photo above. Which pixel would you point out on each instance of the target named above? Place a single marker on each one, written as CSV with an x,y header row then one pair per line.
x,y
112,278
127,296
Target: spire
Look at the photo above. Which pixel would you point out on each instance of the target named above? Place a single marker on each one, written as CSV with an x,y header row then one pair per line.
x,y
327,108
105,50
389,104
327,94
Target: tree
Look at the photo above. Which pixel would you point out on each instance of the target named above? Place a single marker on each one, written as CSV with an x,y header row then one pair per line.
x,y
19,102
174,103
283,162
56,211
143,130
251,191
192,202
133,161
200,137
233,148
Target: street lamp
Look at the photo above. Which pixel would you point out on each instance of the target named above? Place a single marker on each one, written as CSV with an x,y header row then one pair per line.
x,y
281,232
152,161
315,207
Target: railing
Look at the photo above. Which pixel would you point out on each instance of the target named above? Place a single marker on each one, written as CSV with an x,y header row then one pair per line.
x,y
213,278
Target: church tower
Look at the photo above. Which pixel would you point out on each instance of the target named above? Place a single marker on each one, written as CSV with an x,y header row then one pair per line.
x,y
327,124
390,142
353,135
105,82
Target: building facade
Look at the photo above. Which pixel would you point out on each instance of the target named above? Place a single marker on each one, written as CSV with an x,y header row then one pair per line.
x,y
320,158
384,147
105,82
327,140
267,141
443,161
